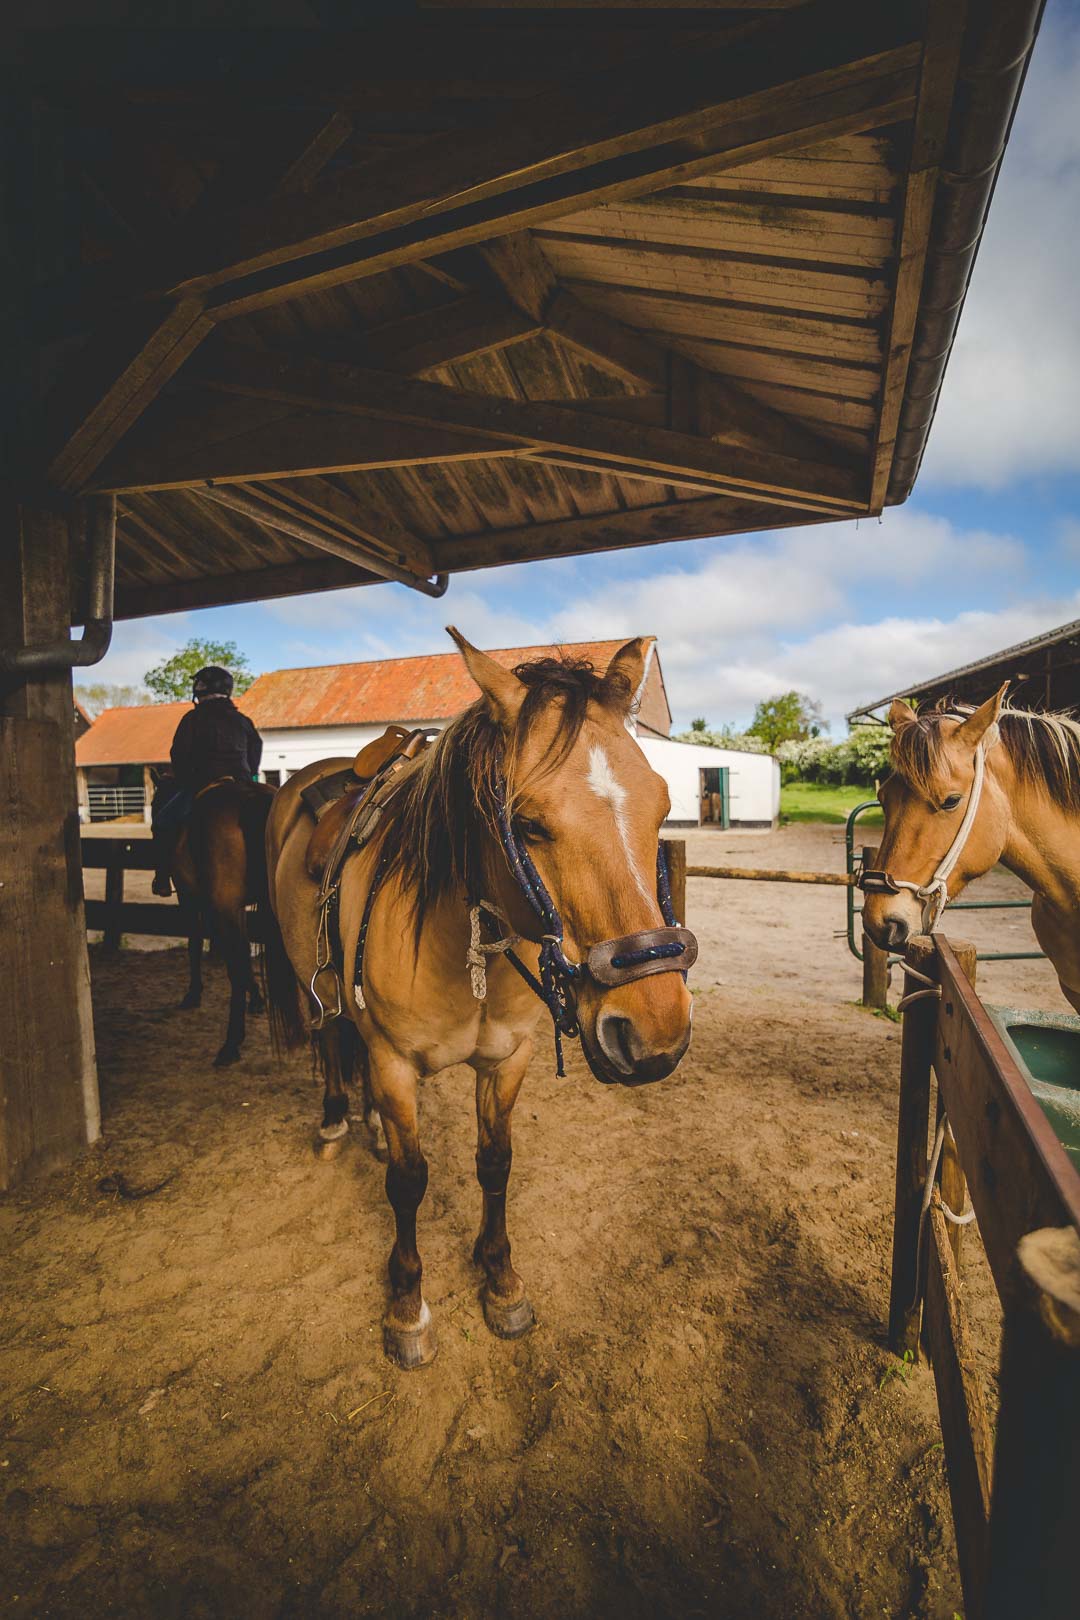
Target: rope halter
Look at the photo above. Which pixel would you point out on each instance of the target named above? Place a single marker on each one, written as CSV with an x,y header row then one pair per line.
x,y
935,894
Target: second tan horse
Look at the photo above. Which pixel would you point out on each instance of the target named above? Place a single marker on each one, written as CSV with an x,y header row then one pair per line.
x,y
972,787
541,776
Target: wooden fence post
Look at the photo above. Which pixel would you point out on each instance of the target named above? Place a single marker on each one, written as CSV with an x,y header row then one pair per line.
x,y
1036,1502
913,1123
114,899
675,850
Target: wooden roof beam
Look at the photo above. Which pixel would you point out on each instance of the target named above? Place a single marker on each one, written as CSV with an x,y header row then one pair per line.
x,y
612,531
699,401
248,585
530,425
173,448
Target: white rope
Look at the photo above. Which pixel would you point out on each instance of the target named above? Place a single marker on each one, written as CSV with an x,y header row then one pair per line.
x,y
478,953
934,991
963,1219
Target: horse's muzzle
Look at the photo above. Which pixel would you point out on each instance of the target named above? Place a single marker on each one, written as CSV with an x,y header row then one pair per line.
x,y
617,1057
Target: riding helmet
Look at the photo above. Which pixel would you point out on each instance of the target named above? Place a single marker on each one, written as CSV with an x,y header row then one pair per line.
x,y
213,681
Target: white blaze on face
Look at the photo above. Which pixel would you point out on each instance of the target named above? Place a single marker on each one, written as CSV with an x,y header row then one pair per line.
x,y
606,785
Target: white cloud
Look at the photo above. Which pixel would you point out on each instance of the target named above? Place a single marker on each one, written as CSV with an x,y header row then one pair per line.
x,y
1010,404
137,645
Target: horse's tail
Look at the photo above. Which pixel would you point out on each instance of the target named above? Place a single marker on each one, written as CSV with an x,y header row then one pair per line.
x,y
288,1026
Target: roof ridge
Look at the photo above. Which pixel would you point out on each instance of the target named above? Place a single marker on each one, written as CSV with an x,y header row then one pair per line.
x,y
408,658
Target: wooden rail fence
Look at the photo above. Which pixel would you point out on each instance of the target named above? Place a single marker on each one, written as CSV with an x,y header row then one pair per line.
x,y
116,916
1016,1502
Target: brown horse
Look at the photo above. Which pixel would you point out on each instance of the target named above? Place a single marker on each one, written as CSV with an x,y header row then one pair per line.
x,y
972,787
219,869
540,776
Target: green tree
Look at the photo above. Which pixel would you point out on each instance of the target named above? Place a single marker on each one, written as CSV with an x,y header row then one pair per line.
x,y
170,681
98,695
791,717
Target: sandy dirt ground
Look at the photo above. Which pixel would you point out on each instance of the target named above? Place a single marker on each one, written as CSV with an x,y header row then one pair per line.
x,y
196,1417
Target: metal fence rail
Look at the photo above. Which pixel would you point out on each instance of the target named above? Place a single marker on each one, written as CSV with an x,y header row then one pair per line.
x,y
107,803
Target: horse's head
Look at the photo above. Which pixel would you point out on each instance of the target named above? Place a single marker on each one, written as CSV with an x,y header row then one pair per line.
x,y
935,831
589,807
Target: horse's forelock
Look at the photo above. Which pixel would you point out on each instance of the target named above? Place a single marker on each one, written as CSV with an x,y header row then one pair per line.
x,y
445,813
1043,747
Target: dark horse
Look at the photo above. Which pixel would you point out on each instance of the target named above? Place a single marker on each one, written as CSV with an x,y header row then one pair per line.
x,y
219,869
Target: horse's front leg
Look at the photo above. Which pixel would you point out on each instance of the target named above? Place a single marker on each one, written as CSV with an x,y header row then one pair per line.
x,y
507,1310
408,1331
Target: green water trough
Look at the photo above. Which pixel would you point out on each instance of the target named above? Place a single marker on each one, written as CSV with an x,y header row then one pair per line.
x,y
1047,1048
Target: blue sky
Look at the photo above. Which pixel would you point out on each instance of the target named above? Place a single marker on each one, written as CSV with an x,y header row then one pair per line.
x,y
986,552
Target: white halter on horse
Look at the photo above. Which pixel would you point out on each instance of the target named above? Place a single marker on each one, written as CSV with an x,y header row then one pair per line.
x,y
935,894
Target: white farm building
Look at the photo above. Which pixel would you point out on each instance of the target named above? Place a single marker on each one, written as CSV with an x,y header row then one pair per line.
x,y
309,714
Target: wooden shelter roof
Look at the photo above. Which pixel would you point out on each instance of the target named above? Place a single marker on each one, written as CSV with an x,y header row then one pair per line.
x,y
475,285
1044,672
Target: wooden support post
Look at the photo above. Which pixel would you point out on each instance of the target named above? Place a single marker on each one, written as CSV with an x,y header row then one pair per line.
x,y
114,899
675,850
48,1081
916,1054
875,974
1036,1505
875,961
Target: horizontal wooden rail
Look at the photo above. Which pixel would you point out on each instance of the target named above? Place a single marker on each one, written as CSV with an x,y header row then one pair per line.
x,y
114,915
841,880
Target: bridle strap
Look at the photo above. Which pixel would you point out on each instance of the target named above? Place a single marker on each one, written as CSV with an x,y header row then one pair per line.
x,y
613,962
935,893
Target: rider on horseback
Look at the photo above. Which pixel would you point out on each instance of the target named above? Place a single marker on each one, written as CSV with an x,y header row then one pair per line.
x,y
213,741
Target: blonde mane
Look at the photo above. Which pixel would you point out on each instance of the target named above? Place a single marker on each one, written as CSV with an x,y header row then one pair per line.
x,y
1044,749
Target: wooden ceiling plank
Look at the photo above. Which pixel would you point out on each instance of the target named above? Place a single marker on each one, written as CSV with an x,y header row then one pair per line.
x,y
687,90
941,58
321,385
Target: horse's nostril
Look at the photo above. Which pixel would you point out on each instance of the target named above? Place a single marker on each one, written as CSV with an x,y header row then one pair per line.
x,y
616,1037
896,932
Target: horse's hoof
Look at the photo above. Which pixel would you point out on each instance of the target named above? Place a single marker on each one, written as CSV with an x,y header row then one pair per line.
x,y
507,1319
330,1140
411,1347
227,1056
190,1002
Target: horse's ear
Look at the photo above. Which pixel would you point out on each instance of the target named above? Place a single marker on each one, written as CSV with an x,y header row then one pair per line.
x,y
501,687
901,714
627,668
983,724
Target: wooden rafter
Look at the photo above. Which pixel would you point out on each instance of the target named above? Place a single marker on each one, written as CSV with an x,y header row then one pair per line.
x,y
530,425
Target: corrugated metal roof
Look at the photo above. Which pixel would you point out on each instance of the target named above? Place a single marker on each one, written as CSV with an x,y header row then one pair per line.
x,y
432,687
141,735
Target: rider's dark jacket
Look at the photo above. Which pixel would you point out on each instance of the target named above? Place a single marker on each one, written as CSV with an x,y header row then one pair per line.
x,y
212,740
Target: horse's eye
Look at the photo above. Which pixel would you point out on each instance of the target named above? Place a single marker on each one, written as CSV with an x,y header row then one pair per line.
x,y
532,831
952,801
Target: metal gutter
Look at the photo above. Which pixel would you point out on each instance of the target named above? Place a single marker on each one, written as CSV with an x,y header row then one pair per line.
x,y
52,656
994,61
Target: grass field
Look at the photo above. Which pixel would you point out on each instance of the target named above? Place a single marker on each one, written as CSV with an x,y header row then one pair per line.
x,y
818,801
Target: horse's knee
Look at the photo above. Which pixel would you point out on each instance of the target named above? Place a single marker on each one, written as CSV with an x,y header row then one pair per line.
x,y
493,1169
